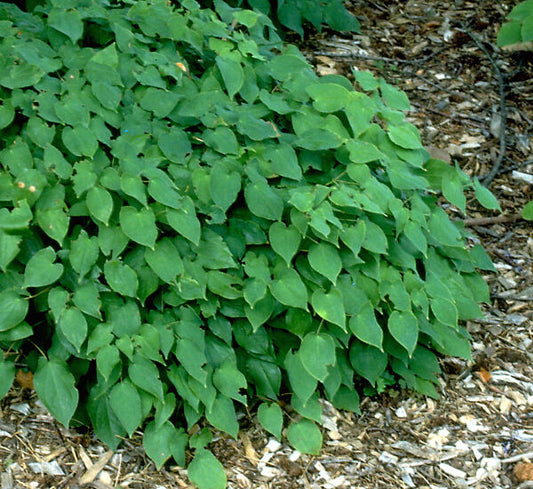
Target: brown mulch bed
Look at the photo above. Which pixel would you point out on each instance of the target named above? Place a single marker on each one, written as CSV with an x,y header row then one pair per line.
x,y
479,434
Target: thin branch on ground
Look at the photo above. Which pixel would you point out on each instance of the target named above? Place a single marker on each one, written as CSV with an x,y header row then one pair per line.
x,y
483,221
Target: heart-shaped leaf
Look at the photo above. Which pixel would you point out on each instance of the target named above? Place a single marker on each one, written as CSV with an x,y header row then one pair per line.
x,y
317,352
330,306
139,226
41,269
305,436
285,240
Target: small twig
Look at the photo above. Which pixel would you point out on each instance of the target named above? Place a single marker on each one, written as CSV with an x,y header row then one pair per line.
x,y
501,83
449,116
483,221
517,458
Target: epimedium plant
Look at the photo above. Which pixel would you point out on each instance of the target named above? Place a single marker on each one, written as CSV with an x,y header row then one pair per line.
x,y
193,222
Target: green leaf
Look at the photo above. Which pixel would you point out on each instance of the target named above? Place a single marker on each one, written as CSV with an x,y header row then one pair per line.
x,y
107,358
271,418
41,269
527,211
144,374
415,234
100,204
175,144
261,311
285,240
55,387
9,249
165,260
289,289
162,442
160,102
86,299
509,33
263,201
305,436
328,97
485,197
121,278
162,190
442,229
393,97
403,326
191,355
13,309
7,114
80,141
206,471
284,161
266,376
224,185
365,327
363,152
232,74
7,375
133,186
311,409
375,239
126,404
452,189
445,311
316,352
368,361
50,213
107,56
222,415
107,94
67,22
330,306
139,226
325,259
84,252
185,222
229,380
303,384
405,135
73,325
18,218
40,133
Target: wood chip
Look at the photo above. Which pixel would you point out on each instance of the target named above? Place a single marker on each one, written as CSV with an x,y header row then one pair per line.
x,y
95,469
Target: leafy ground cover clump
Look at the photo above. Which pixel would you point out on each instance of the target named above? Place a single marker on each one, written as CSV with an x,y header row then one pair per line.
x,y
192,222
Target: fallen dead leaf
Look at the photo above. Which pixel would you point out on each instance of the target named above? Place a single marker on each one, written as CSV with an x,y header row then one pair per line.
x,y
523,471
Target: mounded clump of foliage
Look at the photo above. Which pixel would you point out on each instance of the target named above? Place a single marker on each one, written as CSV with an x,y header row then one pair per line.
x,y
191,224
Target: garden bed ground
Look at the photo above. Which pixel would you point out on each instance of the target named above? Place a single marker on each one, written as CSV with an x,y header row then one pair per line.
x,y
479,434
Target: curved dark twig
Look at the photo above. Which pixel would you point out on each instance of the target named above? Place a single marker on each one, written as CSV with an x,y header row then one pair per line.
x,y
503,109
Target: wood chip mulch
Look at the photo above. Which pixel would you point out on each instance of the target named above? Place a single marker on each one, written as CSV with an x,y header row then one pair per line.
x,y
479,434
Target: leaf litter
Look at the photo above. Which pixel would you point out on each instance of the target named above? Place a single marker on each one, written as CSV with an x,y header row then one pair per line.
x,y
479,434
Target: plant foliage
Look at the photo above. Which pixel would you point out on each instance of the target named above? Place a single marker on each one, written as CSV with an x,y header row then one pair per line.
x,y
191,223
519,25
294,14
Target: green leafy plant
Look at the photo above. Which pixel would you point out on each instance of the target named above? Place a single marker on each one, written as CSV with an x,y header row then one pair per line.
x,y
294,14
191,224
519,25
